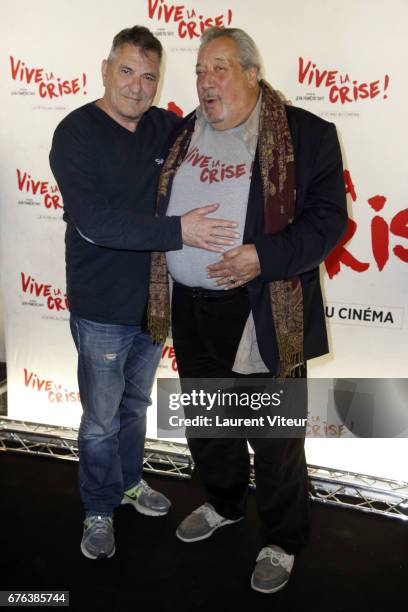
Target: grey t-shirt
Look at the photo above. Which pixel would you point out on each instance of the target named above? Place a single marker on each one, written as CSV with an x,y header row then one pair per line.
x,y
216,169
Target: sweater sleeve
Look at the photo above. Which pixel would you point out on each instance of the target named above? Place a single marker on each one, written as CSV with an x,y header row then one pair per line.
x,y
78,176
306,242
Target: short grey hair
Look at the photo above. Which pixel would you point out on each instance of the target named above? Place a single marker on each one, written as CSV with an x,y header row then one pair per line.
x,y
248,53
139,37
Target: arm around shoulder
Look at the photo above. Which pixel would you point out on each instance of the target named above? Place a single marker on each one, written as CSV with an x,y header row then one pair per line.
x,y
74,163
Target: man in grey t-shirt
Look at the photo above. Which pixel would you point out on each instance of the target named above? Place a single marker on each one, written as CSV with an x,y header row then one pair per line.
x,y
257,311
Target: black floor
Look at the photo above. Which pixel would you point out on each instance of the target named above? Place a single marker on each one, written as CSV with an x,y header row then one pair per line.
x,y
352,562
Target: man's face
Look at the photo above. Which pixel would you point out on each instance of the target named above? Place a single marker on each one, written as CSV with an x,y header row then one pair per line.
x,y
226,91
130,78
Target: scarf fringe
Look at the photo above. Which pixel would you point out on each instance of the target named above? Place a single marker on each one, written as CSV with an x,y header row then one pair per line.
x,y
158,328
288,367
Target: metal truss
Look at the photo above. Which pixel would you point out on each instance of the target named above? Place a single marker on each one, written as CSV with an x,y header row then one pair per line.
x,y
360,492
38,439
328,486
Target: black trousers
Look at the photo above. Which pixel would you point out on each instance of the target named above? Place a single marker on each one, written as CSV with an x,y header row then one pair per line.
x,y
206,333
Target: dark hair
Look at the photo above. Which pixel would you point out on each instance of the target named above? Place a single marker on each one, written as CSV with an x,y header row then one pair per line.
x,y
139,36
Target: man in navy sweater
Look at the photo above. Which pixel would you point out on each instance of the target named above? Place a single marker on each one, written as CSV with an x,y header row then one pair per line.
x,y
106,157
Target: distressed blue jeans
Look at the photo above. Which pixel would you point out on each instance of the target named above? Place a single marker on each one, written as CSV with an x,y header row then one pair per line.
x,y
116,368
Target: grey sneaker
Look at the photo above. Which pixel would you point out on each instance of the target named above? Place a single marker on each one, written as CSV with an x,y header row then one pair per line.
x,y
98,540
272,570
202,523
146,500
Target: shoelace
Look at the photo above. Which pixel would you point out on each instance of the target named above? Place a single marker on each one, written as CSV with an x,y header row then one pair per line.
x,y
100,524
144,487
277,558
141,487
211,516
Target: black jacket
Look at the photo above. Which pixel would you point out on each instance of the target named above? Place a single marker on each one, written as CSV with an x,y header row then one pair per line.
x,y
319,223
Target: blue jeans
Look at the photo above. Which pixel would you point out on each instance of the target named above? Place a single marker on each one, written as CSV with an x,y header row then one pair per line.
x,y
116,368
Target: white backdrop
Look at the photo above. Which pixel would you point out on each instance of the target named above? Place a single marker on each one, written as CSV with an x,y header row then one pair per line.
x,y
345,62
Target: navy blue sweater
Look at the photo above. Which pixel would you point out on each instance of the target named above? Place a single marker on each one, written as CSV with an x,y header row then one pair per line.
x,y
108,178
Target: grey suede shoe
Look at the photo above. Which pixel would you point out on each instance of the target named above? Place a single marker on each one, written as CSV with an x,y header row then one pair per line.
x,y
98,540
272,570
202,523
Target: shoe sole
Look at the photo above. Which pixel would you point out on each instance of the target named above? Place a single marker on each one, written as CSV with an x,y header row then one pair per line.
x,y
209,533
143,509
97,557
274,590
